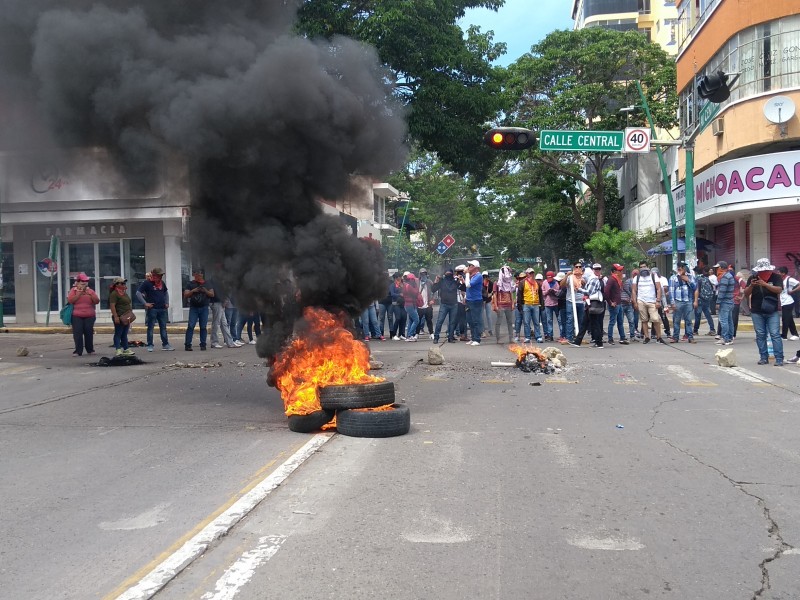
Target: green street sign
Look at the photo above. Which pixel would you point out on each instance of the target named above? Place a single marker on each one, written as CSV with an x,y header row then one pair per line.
x,y
525,259
581,141
707,114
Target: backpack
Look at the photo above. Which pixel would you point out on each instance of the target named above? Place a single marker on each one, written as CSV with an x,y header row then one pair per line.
x,y
706,288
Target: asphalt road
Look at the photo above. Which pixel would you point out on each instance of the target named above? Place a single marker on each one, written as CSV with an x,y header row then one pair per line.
x,y
502,489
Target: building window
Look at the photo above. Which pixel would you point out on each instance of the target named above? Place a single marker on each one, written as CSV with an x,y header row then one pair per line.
x,y
634,194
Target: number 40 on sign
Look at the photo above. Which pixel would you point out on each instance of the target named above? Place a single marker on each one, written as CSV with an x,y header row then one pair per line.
x,y
637,139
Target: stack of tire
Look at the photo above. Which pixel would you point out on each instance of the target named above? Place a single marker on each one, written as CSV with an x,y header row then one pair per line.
x,y
350,405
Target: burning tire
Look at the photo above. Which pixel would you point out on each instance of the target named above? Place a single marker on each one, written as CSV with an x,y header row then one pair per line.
x,y
374,423
365,395
310,422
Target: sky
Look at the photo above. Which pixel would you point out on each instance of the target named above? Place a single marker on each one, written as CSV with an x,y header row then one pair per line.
x,y
521,23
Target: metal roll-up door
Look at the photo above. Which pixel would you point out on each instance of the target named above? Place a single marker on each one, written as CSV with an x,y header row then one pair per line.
x,y
784,240
725,239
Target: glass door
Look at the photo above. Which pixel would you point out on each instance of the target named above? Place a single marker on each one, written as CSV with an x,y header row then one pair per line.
x,y
80,259
109,260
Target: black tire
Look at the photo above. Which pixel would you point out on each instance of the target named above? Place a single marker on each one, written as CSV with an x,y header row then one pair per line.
x,y
311,422
374,423
365,395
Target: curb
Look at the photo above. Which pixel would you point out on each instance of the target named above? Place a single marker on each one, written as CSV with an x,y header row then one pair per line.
x,y
44,329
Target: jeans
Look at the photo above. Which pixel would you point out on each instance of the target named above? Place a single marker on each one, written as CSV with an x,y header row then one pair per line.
x,y
615,318
232,315
704,307
253,321
475,318
768,325
197,314
398,327
725,318
550,315
449,311
487,316
628,314
562,322
121,336
684,311
160,315
508,315
461,319
412,318
571,331
83,334
219,323
517,322
385,313
369,322
425,318
530,313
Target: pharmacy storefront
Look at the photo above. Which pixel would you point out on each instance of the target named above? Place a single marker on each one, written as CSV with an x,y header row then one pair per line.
x,y
76,214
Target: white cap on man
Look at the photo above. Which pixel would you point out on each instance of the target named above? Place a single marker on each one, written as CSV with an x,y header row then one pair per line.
x,y
474,263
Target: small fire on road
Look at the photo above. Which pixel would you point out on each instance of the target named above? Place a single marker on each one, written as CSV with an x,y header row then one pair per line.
x,y
322,353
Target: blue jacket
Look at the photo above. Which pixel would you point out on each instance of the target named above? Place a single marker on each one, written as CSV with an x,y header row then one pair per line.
x,y
475,288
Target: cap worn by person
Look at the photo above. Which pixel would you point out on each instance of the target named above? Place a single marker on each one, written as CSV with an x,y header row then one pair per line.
x,y
81,277
485,273
682,264
423,270
560,276
618,267
157,271
406,273
118,280
529,270
474,263
461,268
763,264
721,265
539,277
550,274
597,266
522,276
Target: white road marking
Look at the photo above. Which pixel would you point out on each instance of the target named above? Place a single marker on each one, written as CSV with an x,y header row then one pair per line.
x,y
687,377
557,445
186,554
237,576
605,543
741,373
149,518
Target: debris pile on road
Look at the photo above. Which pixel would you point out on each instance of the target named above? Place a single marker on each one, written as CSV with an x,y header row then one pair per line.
x,y
190,365
531,359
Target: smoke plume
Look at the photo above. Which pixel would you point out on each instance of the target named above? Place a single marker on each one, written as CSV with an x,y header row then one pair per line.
x,y
269,122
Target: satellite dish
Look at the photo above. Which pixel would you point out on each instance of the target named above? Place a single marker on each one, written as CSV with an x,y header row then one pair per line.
x,y
779,109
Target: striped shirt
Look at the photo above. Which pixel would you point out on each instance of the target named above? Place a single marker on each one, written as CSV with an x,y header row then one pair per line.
x,y
725,287
681,291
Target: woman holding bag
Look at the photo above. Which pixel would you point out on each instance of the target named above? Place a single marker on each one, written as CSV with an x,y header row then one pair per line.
x,y
121,310
83,300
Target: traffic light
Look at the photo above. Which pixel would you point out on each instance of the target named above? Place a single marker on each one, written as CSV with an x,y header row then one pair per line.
x,y
714,87
509,138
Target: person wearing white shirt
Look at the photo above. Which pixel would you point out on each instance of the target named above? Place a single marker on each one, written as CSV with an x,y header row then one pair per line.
x,y
790,285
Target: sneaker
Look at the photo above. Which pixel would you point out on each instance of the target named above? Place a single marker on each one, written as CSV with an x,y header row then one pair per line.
x,y
149,348
218,346
714,333
413,338
794,359
187,348
673,340
232,346
794,338
624,342
366,338
118,352
474,343
238,343
728,343
778,363
402,338
527,341
203,348
253,342
396,339
684,338
539,340
612,342
720,343
128,352
168,348
596,346
451,340
573,343
763,361
659,340
717,337
646,340
516,340
383,339
432,336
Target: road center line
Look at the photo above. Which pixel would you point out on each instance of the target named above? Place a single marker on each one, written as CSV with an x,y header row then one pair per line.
x,y
193,548
240,572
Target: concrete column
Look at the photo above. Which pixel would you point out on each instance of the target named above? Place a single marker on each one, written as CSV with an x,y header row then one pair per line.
x,y
172,266
759,236
740,235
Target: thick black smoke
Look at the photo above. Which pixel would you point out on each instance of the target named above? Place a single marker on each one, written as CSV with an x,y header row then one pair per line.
x,y
269,122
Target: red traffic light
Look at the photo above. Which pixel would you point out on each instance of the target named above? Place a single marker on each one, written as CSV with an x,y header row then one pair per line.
x,y
509,138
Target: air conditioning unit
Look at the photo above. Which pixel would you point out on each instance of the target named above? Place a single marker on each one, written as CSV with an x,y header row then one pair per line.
x,y
718,126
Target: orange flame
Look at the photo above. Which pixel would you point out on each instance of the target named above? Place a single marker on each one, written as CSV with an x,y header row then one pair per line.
x,y
521,351
323,353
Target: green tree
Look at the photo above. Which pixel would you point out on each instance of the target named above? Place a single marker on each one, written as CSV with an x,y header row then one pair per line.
x,y
578,80
445,78
610,245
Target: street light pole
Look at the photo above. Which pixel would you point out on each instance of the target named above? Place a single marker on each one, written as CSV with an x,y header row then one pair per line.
x,y
400,235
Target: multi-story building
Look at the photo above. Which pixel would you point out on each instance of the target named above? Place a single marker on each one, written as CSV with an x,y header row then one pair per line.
x,y
747,156
108,226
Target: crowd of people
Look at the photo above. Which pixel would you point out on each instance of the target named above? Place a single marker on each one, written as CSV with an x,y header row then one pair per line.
x,y
588,300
